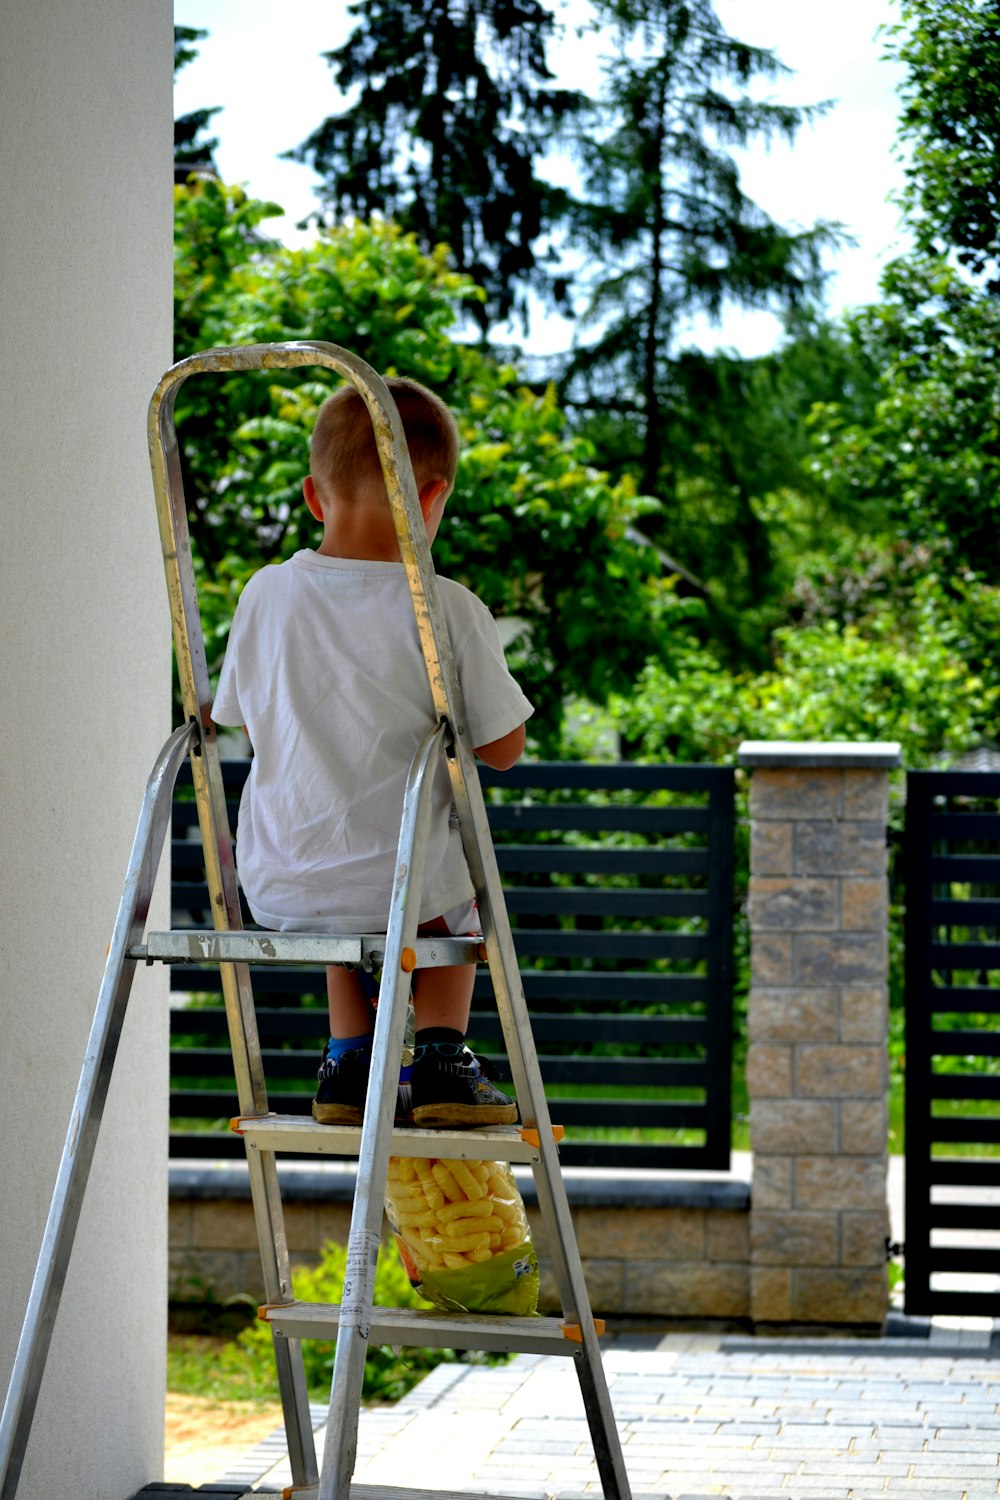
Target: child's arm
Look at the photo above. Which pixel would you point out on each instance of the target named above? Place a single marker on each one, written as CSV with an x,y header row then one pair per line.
x,y
505,752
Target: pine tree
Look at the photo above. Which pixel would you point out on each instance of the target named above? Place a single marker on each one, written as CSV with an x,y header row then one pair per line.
x,y
665,220
192,151
454,104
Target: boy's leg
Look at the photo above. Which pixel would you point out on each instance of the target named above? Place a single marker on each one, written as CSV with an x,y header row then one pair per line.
x,y
343,1073
443,997
351,1011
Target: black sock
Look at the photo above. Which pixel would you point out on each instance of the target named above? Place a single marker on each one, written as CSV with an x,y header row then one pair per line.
x,y
427,1035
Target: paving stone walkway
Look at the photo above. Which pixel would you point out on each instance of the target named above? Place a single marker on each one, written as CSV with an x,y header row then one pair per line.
x,y
698,1415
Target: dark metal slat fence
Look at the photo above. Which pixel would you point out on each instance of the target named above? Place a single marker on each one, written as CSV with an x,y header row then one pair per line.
x,y
952,938
619,884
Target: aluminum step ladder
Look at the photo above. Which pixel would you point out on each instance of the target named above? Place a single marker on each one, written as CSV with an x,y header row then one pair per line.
x,y
355,1322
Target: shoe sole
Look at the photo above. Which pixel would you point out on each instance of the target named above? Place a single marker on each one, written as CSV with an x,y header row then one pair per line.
x,y
345,1114
463,1116
337,1114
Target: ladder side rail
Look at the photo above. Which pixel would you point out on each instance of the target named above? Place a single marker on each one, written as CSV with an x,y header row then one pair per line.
x,y
220,871
168,485
447,699
504,971
341,1442
219,861
547,1173
269,1219
206,770
533,1106
87,1112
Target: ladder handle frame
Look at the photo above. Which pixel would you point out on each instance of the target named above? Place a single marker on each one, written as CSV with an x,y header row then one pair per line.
x,y
477,840
88,1109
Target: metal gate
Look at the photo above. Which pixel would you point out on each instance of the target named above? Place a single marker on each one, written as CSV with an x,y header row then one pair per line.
x,y
952,935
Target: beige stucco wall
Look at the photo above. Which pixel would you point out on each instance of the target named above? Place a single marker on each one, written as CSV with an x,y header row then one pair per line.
x,y
85,183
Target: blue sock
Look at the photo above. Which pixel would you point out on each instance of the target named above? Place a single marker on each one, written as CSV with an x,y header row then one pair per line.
x,y
338,1045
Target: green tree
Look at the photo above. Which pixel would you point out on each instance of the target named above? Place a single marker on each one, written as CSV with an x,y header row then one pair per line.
x,y
950,122
664,219
931,450
191,148
745,504
453,106
541,534
882,674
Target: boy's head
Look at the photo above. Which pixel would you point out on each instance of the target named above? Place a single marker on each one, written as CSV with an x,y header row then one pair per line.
x,y
343,457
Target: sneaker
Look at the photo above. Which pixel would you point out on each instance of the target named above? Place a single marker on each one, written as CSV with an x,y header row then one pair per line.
x,y
343,1087
451,1087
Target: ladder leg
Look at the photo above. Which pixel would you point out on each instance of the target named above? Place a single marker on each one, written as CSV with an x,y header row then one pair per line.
x,y
575,1298
88,1108
533,1105
340,1448
265,1195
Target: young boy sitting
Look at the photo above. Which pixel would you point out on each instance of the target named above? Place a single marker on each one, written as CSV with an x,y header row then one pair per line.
x,y
324,669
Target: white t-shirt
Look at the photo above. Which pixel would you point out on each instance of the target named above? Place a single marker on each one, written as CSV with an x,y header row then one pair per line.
x,y
324,668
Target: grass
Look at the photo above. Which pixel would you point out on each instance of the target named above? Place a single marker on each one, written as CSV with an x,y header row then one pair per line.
x,y
237,1363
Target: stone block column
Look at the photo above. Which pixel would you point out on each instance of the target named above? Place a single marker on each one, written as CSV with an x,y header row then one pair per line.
x,y
817,1067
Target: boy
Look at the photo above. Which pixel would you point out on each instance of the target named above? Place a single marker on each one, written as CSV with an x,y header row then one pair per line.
x,y
324,669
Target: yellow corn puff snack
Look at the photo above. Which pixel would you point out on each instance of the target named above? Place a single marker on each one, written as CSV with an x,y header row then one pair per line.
x,y
465,1210
463,1234
425,1220
472,1188
461,1229
468,1242
504,1209
447,1183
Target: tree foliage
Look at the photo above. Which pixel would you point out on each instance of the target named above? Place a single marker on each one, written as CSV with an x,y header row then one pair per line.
x,y
540,533
930,452
912,677
813,564
931,449
663,219
452,107
951,123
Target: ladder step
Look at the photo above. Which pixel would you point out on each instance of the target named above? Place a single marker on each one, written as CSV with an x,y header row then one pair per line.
x,y
407,1327
300,1133
189,945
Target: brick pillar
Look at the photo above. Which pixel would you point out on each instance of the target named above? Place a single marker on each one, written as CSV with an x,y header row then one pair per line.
x,y
817,1068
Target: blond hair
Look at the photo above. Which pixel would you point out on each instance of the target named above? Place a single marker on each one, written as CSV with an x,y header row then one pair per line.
x,y
343,456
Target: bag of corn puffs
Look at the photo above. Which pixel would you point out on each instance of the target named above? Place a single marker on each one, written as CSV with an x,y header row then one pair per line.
x,y
463,1234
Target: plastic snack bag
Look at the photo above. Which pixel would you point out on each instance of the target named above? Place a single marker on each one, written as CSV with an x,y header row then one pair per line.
x,y
463,1234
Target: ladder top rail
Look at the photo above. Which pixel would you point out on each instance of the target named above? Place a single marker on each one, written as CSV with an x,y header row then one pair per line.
x,y
291,355
397,469
389,436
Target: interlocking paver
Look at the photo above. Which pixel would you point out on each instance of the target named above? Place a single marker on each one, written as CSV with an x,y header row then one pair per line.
x,y
700,1417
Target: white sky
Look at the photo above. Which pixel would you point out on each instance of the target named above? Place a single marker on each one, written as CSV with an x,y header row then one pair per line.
x,y
261,62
